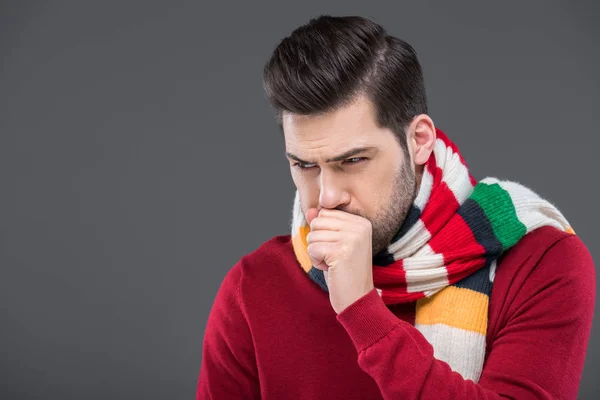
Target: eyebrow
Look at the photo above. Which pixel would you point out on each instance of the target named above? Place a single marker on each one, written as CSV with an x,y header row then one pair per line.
x,y
341,157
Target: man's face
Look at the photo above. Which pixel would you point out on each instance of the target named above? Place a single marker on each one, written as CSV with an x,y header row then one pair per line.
x,y
343,160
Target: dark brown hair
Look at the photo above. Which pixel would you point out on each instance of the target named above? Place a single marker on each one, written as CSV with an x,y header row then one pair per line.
x,y
323,65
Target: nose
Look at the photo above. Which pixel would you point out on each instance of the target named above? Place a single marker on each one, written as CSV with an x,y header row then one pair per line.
x,y
332,191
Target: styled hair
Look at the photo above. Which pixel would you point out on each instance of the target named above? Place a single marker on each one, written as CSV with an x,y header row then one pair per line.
x,y
325,64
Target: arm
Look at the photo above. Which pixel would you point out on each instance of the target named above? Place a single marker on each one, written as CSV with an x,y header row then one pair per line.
x,y
538,354
228,369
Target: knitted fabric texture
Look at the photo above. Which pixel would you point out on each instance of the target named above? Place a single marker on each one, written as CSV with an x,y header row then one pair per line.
x,y
444,255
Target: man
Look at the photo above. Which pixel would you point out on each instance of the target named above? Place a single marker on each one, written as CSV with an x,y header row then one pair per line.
x,y
403,277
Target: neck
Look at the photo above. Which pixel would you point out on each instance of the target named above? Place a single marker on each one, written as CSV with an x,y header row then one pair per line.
x,y
419,175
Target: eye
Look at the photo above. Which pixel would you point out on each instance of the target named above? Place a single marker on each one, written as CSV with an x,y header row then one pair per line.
x,y
304,166
354,160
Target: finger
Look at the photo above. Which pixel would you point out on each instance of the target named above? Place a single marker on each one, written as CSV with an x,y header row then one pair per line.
x,y
311,214
343,215
330,224
317,253
323,236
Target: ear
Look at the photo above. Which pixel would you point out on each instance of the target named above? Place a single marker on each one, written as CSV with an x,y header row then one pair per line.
x,y
421,138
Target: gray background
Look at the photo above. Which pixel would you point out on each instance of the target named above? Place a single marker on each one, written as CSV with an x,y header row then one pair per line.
x,y
139,160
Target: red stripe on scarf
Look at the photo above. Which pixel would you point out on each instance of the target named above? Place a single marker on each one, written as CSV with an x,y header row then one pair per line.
x,y
441,206
459,241
441,135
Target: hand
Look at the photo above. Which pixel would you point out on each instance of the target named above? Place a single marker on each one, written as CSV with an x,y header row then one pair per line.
x,y
340,244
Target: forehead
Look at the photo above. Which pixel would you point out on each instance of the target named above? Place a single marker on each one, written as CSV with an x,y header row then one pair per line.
x,y
352,125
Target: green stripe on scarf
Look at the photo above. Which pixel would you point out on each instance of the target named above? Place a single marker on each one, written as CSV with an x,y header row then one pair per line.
x,y
497,205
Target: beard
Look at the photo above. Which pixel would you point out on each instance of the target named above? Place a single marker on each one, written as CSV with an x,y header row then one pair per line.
x,y
391,215
388,221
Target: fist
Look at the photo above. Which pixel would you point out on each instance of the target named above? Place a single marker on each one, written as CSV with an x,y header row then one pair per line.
x,y
340,244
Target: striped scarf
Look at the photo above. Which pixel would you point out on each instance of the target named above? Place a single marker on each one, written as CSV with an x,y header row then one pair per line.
x,y
444,255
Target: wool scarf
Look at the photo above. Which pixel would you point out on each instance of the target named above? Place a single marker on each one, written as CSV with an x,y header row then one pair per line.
x,y
444,255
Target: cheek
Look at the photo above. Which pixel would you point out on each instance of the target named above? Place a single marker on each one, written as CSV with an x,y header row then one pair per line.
x,y
368,195
377,190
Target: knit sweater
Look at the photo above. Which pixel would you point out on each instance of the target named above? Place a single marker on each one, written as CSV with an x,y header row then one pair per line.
x,y
272,333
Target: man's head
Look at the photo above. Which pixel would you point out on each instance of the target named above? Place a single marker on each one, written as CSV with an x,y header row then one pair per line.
x,y
352,105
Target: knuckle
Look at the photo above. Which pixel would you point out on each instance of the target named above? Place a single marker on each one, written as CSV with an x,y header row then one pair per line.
x,y
366,225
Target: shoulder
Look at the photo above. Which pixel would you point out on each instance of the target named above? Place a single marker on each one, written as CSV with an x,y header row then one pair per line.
x,y
545,260
270,258
543,245
275,248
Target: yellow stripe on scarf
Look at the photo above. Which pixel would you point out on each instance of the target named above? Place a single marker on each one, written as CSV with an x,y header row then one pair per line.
x,y
299,243
454,306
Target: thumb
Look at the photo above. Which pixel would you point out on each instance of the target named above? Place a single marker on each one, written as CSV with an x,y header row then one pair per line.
x,y
311,214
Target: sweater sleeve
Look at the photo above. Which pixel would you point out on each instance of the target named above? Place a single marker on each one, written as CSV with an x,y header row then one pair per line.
x,y
228,369
538,354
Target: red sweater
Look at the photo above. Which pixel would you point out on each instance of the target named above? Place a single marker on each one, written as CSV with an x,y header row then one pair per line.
x,y
272,333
